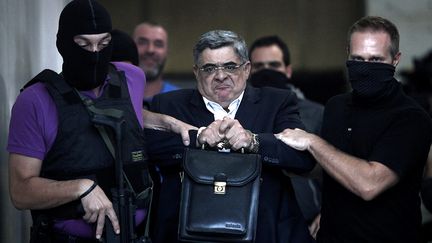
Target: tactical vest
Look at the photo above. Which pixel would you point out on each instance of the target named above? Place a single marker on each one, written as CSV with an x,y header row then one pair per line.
x,y
79,150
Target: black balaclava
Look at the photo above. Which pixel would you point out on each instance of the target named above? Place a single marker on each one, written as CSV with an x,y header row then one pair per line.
x,y
370,80
269,78
83,69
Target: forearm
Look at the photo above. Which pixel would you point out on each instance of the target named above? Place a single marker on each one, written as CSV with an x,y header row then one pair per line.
x,y
363,178
338,165
30,191
41,193
157,121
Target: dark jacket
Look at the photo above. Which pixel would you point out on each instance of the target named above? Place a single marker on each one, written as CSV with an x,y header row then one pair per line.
x,y
263,111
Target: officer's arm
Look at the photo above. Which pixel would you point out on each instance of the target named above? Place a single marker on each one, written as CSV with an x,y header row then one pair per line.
x,y
366,179
167,123
30,191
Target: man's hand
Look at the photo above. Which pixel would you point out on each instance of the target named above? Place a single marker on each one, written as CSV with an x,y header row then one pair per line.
x,y
211,135
315,226
295,138
96,205
237,136
182,128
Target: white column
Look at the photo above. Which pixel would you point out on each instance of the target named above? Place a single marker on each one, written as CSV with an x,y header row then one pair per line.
x,y
27,46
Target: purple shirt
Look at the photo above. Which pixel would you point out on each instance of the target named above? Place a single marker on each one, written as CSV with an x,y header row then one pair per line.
x,y
34,122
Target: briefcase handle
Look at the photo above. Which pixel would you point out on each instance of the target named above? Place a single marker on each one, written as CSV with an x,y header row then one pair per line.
x,y
224,144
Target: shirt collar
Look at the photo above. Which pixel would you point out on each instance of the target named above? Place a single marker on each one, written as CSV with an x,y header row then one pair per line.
x,y
219,112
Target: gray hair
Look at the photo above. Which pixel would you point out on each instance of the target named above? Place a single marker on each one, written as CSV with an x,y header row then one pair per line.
x,y
220,38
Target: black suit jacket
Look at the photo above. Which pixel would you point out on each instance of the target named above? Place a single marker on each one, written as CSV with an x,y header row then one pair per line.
x,y
264,111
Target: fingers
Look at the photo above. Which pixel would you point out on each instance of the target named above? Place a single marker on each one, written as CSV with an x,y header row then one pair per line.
x,y
101,221
91,217
227,129
285,135
100,224
226,124
183,129
211,135
96,206
313,229
114,220
315,226
240,138
237,136
185,137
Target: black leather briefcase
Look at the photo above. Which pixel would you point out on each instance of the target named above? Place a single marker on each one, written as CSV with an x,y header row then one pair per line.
x,y
219,200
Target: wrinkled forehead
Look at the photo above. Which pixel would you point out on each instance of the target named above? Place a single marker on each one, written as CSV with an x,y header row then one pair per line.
x,y
84,17
219,55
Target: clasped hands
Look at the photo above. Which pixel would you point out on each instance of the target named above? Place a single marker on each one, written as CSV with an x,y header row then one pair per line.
x,y
228,132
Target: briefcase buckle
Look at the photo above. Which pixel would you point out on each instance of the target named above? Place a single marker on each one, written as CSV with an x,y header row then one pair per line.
x,y
219,187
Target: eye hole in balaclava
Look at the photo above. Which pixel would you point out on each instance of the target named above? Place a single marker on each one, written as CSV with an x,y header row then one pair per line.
x,y
83,69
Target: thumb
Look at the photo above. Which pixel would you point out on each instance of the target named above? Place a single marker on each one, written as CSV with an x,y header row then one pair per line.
x,y
185,137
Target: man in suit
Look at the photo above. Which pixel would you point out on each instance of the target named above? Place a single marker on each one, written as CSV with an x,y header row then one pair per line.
x,y
271,66
226,109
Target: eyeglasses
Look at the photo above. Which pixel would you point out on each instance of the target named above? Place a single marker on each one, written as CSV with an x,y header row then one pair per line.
x,y
271,65
209,69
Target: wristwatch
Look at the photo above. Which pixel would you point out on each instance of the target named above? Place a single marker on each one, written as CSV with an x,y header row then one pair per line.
x,y
254,145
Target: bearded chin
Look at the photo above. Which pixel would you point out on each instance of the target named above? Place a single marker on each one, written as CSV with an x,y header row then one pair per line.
x,y
151,75
154,73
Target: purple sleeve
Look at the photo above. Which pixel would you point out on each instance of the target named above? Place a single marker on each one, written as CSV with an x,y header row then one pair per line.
x,y
33,124
136,82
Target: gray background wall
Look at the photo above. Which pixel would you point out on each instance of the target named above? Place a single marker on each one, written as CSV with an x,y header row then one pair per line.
x,y
315,31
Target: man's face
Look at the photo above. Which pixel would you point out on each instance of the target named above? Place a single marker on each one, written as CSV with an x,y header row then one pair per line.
x,y
221,86
152,44
372,47
269,57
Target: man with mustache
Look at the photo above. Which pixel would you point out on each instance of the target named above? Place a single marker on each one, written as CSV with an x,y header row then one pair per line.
x,y
228,110
151,40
